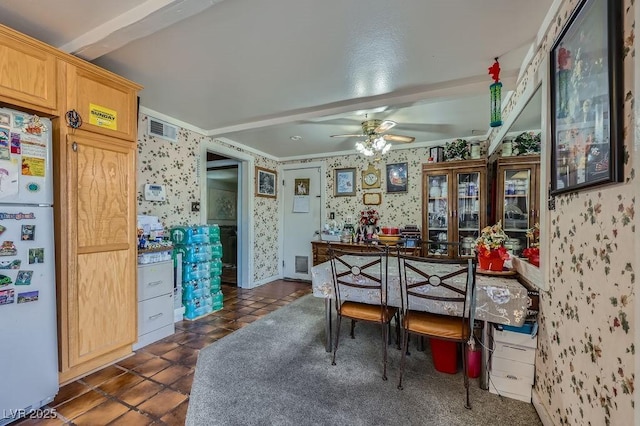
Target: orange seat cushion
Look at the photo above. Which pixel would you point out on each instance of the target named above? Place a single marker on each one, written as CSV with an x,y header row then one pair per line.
x,y
436,325
366,312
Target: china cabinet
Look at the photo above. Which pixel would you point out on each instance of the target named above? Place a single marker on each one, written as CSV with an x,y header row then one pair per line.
x,y
517,198
454,206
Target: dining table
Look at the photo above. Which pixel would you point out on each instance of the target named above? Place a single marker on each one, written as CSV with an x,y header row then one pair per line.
x,y
498,299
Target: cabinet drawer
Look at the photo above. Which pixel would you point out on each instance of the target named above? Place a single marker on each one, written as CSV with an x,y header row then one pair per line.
x,y
515,352
155,313
155,279
509,368
514,338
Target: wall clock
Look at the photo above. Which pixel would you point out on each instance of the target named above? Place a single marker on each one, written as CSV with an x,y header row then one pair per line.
x,y
370,177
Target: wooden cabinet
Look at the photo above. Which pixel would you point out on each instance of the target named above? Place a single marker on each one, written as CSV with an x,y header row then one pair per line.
x,y
106,103
27,72
454,206
97,279
517,197
320,249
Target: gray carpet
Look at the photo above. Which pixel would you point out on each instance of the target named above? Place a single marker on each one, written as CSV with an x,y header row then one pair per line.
x,y
276,372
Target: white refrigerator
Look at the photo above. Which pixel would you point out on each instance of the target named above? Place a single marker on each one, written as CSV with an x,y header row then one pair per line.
x,y
28,329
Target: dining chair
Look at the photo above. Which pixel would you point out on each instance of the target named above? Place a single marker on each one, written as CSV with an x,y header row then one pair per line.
x,y
363,276
445,286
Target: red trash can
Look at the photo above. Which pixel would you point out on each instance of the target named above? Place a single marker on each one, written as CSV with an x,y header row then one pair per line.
x,y
445,355
474,362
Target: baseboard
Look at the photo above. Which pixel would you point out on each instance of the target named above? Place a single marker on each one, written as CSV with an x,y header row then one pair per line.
x,y
540,409
265,281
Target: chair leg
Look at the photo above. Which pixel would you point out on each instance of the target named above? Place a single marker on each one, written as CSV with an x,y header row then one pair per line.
x,y
335,346
405,342
353,326
398,330
466,376
384,351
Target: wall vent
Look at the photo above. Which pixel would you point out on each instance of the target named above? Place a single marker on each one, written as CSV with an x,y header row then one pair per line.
x,y
163,130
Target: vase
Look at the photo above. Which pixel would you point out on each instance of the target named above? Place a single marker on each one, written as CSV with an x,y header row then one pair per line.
x,y
491,262
534,259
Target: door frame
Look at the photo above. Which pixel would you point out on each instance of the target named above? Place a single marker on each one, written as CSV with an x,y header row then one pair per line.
x,y
246,173
323,189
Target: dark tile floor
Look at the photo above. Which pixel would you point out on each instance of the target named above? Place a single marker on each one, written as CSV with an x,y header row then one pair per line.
x,y
153,386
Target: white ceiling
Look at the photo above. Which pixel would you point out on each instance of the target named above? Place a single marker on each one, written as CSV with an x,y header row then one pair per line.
x,y
258,72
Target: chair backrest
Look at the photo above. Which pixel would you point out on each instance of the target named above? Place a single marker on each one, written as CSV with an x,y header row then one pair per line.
x,y
360,276
442,286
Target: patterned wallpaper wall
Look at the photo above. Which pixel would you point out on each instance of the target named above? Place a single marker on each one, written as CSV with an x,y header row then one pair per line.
x,y
585,361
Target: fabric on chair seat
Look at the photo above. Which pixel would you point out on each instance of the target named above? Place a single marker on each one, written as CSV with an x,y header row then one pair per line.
x,y
366,312
436,325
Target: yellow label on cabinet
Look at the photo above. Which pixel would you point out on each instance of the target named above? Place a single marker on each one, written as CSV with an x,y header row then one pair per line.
x,y
103,117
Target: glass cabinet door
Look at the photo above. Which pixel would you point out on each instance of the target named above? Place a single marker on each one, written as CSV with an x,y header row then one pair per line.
x,y
468,211
438,214
517,205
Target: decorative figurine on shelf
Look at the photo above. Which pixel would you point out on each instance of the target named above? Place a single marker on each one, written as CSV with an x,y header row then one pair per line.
x,y
496,95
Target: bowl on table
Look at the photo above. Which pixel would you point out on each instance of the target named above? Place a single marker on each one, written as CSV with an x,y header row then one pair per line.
x,y
390,230
389,240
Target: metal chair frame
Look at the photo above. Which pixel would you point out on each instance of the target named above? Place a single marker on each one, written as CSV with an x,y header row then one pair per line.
x,y
451,293
374,268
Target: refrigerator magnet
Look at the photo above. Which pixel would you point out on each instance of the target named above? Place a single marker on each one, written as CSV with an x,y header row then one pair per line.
x,y
5,119
8,249
28,296
4,137
6,296
36,255
15,143
2,229
10,264
5,280
24,278
28,232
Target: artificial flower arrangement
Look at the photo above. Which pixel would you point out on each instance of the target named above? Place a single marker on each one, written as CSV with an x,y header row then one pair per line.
x,y
533,251
490,246
527,143
456,150
369,217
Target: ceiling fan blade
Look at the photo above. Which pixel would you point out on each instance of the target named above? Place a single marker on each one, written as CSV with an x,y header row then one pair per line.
x,y
384,126
398,138
347,136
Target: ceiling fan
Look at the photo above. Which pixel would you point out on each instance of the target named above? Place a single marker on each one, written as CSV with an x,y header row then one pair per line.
x,y
377,128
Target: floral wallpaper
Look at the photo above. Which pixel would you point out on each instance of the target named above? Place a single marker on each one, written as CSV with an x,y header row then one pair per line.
x,y
585,360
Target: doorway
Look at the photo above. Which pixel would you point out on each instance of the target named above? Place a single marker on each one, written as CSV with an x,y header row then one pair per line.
x,y
225,200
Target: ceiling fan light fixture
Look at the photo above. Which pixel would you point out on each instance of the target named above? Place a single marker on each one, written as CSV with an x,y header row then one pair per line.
x,y
373,146
385,125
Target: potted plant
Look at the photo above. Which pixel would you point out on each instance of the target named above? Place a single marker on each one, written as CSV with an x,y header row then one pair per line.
x,y
527,143
456,150
532,253
490,248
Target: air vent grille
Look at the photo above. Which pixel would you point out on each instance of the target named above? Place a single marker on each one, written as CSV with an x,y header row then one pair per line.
x,y
163,130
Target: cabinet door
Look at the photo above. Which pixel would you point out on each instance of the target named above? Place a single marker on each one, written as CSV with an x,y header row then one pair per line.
x,y
106,103
517,195
27,73
437,185
469,187
102,250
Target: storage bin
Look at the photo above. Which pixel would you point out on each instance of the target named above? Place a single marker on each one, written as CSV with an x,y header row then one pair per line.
x,y
445,355
474,362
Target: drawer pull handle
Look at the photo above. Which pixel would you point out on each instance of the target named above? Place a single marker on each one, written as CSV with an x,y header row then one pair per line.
x,y
154,283
512,377
152,317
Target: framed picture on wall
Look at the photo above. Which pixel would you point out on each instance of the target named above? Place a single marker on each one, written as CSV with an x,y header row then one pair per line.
x,y
587,98
397,177
344,182
266,182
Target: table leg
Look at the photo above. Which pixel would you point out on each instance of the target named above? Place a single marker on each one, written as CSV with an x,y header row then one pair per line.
x,y
484,367
327,324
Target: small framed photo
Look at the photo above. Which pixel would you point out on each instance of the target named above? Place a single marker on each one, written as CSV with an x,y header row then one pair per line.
x,y
372,199
397,177
266,182
344,182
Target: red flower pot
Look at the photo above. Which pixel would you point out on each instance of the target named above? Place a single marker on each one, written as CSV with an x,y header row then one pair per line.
x,y
491,261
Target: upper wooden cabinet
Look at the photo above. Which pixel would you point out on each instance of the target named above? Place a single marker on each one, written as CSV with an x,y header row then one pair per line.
x,y
454,206
106,103
27,72
518,197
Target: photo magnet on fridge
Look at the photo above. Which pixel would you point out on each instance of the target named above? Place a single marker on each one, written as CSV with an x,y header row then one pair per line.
x,y
10,264
24,278
36,255
6,296
28,232
5,281
8,249
29,296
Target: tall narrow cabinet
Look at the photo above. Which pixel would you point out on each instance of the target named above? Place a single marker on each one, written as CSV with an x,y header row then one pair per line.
x,y
454,206
517,197
97,220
